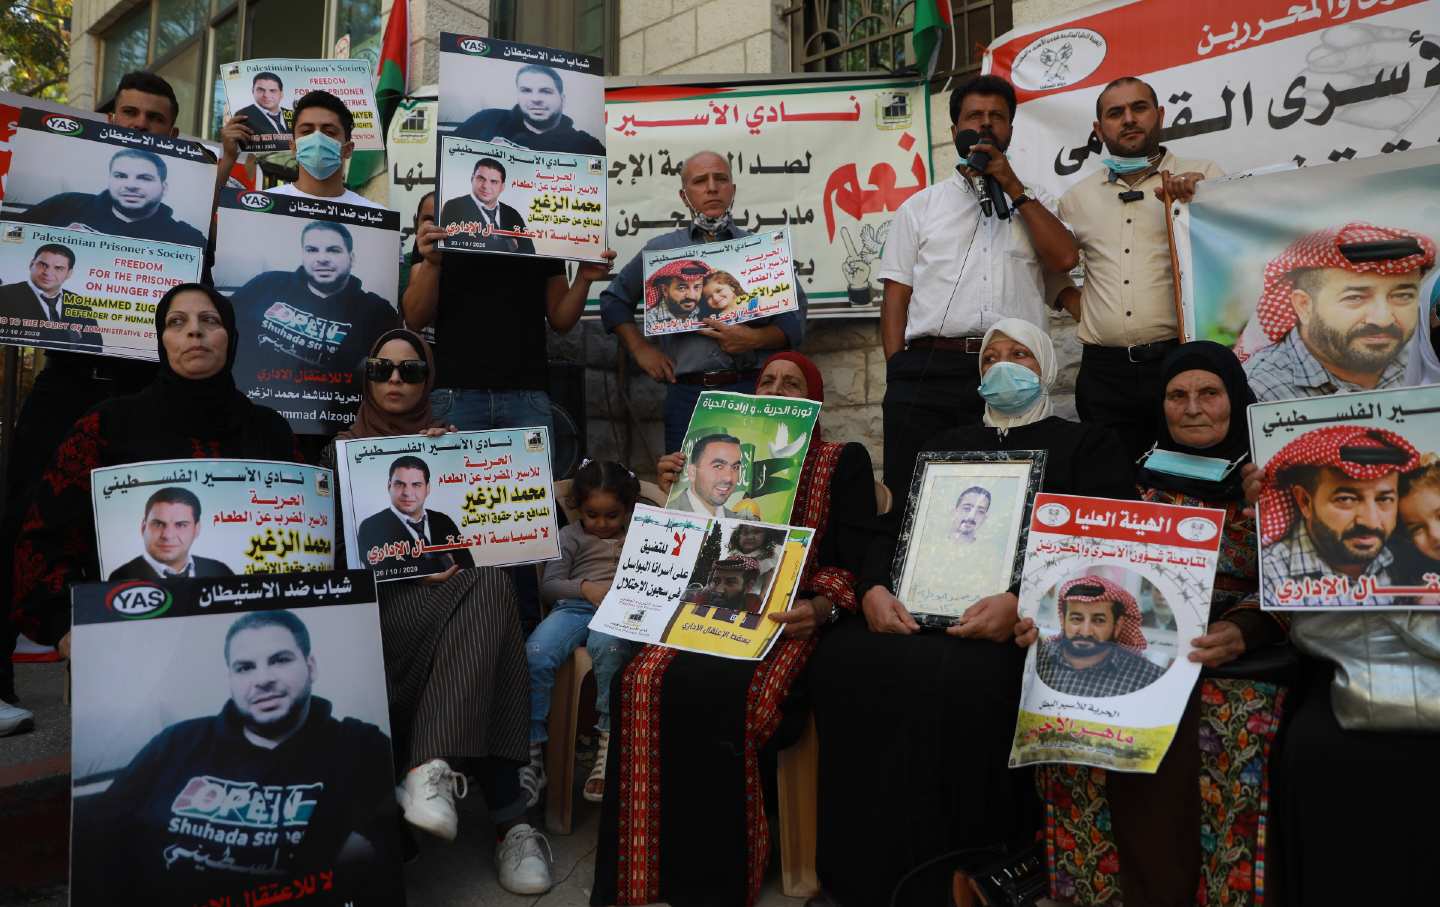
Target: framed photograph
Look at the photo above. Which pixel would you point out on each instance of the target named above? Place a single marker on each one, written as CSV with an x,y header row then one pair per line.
x,y
964,534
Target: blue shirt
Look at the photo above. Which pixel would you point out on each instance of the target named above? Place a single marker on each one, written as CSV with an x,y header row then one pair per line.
x,y
691,352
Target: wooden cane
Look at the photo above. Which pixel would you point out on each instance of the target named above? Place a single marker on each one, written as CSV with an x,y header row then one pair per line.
x,y
1174,261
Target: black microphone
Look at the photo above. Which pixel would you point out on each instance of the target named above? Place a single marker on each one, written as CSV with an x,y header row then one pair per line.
x,y
992,199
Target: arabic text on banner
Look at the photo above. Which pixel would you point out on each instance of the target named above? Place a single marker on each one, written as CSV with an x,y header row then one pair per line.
x,y
411,151
216,517
1380,553
678,584
736,280
416,505
1244,83
752,451
266,91
172,806
1155,564
832,161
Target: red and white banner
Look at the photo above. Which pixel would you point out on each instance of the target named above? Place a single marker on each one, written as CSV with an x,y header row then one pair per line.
x,y
1245,83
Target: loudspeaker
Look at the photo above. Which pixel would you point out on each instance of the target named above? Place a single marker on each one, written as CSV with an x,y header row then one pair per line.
x,y
566,386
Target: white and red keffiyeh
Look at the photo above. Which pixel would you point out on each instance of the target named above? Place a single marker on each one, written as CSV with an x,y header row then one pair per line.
x,y
1127,631
690,268
1325,447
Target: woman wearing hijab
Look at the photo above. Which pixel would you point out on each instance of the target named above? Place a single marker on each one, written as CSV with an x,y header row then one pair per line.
x,y
696,832
191,409
915,727
455,663
1157,823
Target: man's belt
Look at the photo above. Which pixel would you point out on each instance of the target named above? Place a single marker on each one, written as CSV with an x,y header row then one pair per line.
x,y
952,344
718,378
1138,354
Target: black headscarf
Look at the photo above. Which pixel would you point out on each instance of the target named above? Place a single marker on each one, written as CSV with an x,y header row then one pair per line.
x,y
1207,356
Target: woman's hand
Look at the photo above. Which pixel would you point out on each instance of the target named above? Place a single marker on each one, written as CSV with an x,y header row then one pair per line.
x,y
801,621
992,617
668,469
594,591
437,431
885,614
1222,644
436,579
1026,633
1250,480
63,646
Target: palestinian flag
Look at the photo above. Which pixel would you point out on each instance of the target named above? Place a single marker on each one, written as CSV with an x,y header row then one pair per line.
x,y
932,20
389,89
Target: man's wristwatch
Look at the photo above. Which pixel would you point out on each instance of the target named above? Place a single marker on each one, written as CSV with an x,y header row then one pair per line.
x,y
1019,200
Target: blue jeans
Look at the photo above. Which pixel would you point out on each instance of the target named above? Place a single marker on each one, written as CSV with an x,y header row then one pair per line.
x,y
680,400
472,410
562,631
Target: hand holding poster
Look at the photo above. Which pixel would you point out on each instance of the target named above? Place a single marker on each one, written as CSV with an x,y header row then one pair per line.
x,y
733,281
314,284
743,456
521,170
1318,551
701,584
416,505
1116,589
208,518
264,92
245,756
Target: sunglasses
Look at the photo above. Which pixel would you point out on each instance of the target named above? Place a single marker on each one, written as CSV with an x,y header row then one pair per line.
x,y
412,371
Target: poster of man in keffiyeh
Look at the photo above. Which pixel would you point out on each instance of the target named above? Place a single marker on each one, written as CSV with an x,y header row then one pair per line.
x,y
1114,591
733,281
1318,297
1349,509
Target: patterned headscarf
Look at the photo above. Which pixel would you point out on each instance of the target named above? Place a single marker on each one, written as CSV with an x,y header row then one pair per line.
x,y
1327,447
685,267
1322,250
1127,634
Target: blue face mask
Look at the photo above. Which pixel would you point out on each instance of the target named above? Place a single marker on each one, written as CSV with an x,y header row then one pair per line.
x,y
318,154
1010,387
1188,466
1121,164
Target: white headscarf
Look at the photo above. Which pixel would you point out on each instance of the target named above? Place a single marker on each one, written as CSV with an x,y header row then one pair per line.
x,y
1424,364
1038,342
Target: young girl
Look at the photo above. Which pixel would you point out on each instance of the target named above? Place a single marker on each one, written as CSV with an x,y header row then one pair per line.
x,y
605,494
1416,542
720,293
756,542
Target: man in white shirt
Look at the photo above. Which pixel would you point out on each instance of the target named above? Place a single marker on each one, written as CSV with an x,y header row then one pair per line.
x,y
950,272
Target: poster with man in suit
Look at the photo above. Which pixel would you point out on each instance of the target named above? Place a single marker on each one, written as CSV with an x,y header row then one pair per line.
x,y
262,94
61,312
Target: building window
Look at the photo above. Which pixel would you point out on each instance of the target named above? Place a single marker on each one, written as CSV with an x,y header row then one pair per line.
x,y
874,35
587,27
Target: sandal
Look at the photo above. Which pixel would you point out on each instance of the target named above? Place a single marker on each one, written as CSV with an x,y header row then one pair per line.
x,y
594,790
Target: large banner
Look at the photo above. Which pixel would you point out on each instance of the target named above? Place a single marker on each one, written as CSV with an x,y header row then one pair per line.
x,y
410,150
830,160
314,284
1292,269
208,518
231,744
733,281
265,93
10,107
418,505
1117,590
693,582
1245,83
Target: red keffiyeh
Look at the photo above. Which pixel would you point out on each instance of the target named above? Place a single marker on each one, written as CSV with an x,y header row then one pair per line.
x,y
1128,633
685,267
739,562
1323,447
1322,250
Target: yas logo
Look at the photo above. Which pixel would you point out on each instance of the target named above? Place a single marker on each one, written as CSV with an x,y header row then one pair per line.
x,y
474,46
63,125
256,201
139,598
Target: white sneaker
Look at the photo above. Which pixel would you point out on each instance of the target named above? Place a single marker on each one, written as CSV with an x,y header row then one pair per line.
x,y
532,776
523,864
428,797
15,720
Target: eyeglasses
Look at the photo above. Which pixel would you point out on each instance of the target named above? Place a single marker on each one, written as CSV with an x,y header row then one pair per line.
x,y
412,371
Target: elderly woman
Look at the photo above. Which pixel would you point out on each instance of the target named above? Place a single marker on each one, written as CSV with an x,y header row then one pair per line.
x,y
454,652
192,409
915,728
684,814
1194,824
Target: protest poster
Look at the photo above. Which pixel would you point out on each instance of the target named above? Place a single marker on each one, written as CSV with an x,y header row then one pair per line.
x,y
1291,287
85,175
231,743
521,149
1117,590
1349,500
416,505
831,160
410,149
703,584
265,93
83,292
1244,83
10,106
212,518
314,284
743,456
735,281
